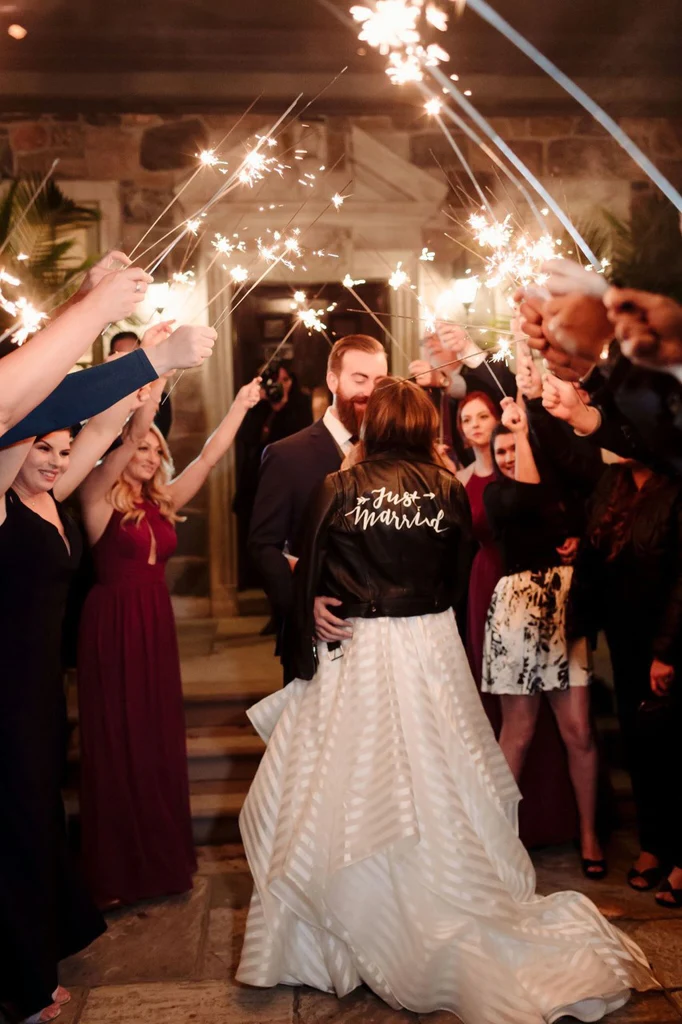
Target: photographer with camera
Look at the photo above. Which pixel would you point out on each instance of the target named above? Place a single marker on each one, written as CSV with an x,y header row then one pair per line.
x,y
283,410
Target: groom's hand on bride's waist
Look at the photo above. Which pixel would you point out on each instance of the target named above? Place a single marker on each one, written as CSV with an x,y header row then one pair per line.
x,y
330,627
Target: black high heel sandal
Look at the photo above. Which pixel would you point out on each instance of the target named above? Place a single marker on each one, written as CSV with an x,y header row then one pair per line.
x,y
676,902
652,876
596,870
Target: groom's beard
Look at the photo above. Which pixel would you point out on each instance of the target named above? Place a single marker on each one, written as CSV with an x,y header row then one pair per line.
x,y
351,412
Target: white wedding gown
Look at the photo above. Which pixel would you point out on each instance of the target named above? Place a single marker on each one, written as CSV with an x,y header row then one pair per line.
x,y
381,832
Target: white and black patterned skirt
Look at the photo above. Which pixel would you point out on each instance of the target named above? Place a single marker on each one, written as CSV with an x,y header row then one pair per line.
x,y
525,649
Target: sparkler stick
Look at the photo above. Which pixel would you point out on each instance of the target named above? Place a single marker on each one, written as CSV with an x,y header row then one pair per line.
x,y
442,320
192,177
492,155
29,205
493,18
281,345
457,151
481,122
376,319
163,213
231,182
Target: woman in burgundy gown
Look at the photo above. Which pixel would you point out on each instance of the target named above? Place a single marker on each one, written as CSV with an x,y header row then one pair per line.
x,y
136,822
547,814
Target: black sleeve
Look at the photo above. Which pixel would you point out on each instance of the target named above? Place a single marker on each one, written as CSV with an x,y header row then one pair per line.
x,y
586,601
506,500
84,394
271,527
495,379
164,417
668,642
300,644
577,458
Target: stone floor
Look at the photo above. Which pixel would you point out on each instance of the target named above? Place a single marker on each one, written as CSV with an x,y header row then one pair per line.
x,y
174,961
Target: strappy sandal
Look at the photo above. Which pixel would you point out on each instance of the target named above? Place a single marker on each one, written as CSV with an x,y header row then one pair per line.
x,y
676,902
594,869
652,876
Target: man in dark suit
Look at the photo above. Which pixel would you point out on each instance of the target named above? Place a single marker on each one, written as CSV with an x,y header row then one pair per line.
x,y
293,468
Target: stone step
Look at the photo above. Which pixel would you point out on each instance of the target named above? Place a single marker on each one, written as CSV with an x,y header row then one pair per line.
x,y
215,808
214,753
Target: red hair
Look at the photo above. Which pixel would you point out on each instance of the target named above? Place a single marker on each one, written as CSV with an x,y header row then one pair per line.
x,y
471,397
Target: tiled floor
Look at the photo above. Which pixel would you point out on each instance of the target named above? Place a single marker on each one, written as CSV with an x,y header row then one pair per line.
x,y
173,962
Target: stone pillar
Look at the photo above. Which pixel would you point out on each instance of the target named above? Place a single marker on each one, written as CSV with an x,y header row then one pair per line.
x,y
405,328
222,524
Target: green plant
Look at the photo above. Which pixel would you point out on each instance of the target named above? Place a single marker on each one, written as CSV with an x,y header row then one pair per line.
x,y
44,235
645,251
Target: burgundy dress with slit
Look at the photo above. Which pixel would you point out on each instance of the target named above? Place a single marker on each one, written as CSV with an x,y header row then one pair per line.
x,y
547,814
137,829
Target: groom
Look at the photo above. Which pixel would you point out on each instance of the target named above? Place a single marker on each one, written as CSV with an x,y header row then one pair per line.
x,y
293,468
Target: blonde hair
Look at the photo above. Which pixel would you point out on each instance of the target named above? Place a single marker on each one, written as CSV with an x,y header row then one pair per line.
x,y
124,497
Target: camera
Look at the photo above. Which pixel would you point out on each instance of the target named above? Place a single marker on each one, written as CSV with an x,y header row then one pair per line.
x,y
271,384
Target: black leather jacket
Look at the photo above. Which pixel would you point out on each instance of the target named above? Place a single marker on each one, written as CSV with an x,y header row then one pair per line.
x,y
389,537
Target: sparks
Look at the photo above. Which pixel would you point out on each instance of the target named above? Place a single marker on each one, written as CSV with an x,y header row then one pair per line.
x,y
299,298
310,318
186,279
390,26
193,226
348,281
208,158
503,351
398,277
222,245
239,274
30,320
22,256
427,256
433,107
6,278
338,200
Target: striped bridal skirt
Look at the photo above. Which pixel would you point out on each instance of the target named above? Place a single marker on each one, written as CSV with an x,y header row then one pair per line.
x,y
381,832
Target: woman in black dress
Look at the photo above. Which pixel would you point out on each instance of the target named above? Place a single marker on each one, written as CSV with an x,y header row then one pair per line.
x,y
45,913
628,582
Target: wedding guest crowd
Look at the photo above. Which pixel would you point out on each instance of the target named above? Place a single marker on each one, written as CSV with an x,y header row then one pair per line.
x,y
136,825
439,571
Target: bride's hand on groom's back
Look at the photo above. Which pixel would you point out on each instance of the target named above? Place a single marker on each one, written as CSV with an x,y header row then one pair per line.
x,y
330,627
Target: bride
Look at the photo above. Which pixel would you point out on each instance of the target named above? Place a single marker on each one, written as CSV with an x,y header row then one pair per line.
x,y
381,827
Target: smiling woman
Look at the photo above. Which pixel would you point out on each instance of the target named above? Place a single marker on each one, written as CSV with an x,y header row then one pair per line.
x,y
45,914
137,831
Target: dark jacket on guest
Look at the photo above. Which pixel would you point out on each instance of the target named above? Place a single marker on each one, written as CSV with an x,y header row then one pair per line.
x,y
641,415
389,537
636,596
290,472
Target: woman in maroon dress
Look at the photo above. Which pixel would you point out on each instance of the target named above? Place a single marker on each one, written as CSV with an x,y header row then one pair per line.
x,y
547,814
136,823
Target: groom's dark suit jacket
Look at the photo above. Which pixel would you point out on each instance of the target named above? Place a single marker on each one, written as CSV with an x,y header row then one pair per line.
x,y
291,471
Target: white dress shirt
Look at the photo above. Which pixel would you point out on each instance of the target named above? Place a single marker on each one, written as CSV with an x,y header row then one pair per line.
x,y
341,435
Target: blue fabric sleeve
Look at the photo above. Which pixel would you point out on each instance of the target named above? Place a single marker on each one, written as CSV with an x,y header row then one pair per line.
x,y
84,394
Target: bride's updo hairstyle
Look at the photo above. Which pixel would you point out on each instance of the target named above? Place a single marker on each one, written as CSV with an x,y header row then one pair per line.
x,y
401,418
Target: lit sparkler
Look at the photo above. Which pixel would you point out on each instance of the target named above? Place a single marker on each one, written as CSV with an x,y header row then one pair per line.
x,y
30,320
398,278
